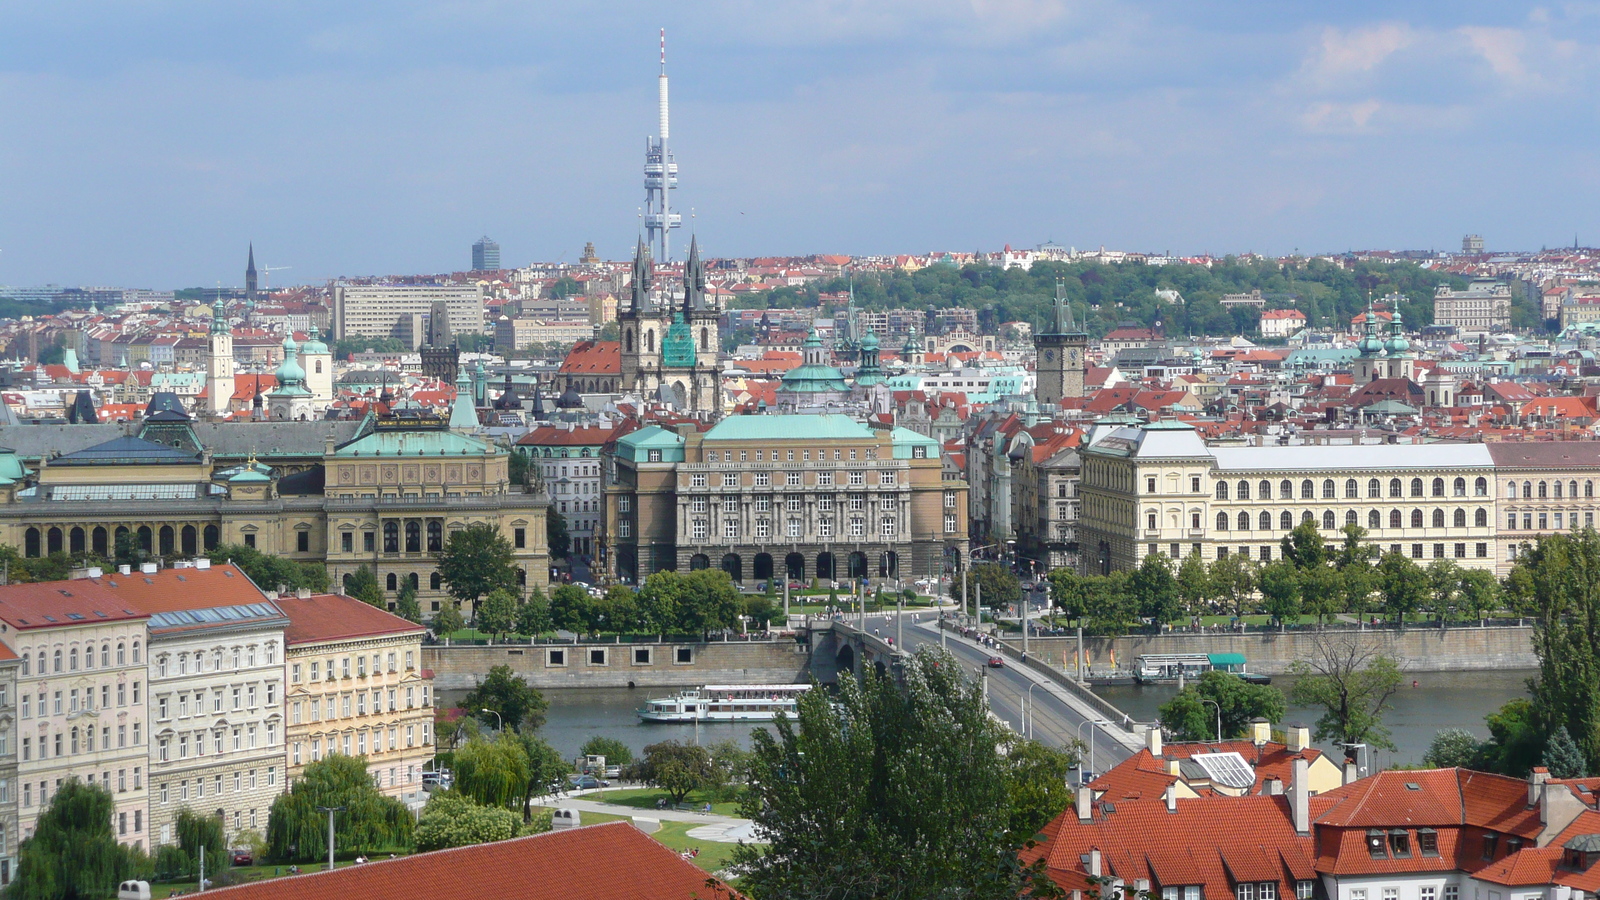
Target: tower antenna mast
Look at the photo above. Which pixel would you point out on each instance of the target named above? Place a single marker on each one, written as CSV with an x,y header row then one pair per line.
x,y
660,173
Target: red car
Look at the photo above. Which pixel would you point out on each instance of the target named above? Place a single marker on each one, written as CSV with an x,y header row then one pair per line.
x,y
243,858
996,662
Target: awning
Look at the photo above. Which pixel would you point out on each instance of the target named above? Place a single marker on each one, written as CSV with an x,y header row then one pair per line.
x,y
1226,659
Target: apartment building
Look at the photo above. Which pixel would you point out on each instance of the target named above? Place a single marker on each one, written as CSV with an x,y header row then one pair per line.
x,y
216,672
823,496
81,697
1157,488
1484,307
402,310
1543,488
568,459
356,687
10,837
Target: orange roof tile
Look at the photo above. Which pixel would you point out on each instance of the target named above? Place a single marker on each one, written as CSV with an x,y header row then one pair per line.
x,y
331,617
174,589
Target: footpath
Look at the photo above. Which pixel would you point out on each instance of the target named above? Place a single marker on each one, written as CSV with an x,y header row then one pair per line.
x,y
710,826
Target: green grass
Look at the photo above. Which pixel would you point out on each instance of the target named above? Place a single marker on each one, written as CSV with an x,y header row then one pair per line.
x,y
244,874
714,855
644,800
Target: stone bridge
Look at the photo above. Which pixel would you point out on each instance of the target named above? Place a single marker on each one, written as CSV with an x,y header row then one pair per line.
x,y
840,647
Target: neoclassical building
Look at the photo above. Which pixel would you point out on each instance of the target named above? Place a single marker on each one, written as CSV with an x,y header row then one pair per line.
x,y
1157,488
812,496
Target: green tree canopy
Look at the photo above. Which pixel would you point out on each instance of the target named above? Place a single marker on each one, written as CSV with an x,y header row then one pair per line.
x,y
476,560
492,773
297,831
503,691
447,620
1233,582
73,854
616,752
545,768
1194,585
999,588
533,615
452,820
1155,590
1304,548
1189,718
571,608
677,768
1036,785
363,585
1452,747
1404,586
555,532
406,605
1560,574
497,612
1352,683
272,572
1280,589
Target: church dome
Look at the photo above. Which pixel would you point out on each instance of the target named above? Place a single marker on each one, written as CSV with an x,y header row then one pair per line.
x,y
313,344
569,399
290,373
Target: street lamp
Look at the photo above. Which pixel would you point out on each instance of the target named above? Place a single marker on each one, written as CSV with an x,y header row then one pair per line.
x,y
1097,723
499,718
1359,748
1027,707
330,810
1219,716
977,609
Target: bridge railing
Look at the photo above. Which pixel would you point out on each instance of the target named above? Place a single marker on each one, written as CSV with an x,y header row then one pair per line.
x,y
1077,689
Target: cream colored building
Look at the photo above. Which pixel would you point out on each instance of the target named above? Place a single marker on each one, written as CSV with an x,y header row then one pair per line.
x,y
1543,487
216,667
356,687
1157,488
81,698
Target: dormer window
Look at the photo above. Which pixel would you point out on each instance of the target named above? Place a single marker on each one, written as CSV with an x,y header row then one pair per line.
x,y
1399,844
1428,841
1490,841
1377,844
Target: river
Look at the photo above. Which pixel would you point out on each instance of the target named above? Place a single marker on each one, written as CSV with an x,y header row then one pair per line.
x,y
1440,700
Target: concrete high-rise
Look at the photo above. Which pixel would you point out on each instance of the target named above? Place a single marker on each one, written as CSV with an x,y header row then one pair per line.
x,y
485,255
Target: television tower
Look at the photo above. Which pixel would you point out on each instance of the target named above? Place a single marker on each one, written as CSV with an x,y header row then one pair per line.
x,y
660,174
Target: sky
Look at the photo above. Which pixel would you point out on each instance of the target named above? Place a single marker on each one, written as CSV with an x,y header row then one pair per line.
x,y
146,143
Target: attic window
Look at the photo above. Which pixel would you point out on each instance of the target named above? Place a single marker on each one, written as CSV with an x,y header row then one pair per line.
x,y
1513,844
1400,843
1377,844
1413,786
1490,840
1428,841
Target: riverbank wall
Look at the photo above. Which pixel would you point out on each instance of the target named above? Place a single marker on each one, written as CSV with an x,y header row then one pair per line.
x,y
644,665
1420,649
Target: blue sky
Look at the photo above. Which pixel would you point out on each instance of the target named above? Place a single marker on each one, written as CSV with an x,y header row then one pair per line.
x,y
144,143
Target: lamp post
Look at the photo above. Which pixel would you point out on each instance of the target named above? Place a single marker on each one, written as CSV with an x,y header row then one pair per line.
x,y
1219,716
330,810
1028,711
499,718
1097,723
977,607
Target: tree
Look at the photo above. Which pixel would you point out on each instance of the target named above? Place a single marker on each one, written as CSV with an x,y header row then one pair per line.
x,y
533,615
545,768
1233,582
730,768
503,691
73,854
128,551
1066,592
1000,588
497,612
616,752
1404,586
406,606
476,560
1444,588
363,585
297,831
555,533
492,773
1353,683
1516,741
447,620
1280,590
1562,756
1191,719
1304,548
843,789
1561,574
659,600
1320,592
1155,590
196,831
1480,593
710,602
272,572
571,608
1036,785
1194,585
762,611
1452,747
452,820
677,768
1108,605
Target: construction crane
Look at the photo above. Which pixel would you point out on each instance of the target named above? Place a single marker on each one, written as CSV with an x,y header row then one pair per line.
x,y
266,275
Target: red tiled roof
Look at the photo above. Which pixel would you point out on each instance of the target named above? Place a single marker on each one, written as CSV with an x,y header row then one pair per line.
x,y
58,604
614,860
331,617
175,589
593,358
579,436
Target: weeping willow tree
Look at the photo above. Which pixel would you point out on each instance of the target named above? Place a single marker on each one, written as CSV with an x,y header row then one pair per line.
x,y
297,831
492,773
73,853
196,831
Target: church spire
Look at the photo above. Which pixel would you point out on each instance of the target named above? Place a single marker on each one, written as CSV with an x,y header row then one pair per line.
x,y
694,280
643,279
250,274
1063,309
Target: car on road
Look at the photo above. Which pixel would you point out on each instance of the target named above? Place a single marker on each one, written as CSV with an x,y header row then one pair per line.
x,y
243,858
588,782
997,662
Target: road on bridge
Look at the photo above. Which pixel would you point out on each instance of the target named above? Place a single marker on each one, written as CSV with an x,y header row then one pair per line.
x,y
1048,717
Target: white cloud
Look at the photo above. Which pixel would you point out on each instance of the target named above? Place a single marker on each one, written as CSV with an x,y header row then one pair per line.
x,y
1345,54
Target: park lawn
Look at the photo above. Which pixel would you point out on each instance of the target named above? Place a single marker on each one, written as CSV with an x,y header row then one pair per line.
x,y
247,874
714,855
644,800
586,817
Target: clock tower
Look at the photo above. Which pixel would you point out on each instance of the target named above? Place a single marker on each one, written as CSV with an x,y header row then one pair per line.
x,y
1060,352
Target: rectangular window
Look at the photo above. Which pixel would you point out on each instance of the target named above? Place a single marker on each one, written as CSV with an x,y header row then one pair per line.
x,y
824,479
858,478
519,538
1304,888
825,528
1244,891
885,478
1483,551
1452,892
697,480
1267,890
792,479
763,479
949,523
730,528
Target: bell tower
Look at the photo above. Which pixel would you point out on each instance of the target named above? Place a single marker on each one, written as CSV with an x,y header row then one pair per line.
x,y
219,364
1060,354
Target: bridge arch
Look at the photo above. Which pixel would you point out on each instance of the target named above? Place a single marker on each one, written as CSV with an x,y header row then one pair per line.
x,y
846,658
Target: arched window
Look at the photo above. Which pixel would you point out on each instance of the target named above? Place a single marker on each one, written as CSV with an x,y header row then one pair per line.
x,y
393,583
1327,520
1394,518
1572,489
1265,521
413,536
1395,489
1308,491
1438,518
1266,489
136,653
1461,487
56,662
1351,518
1416,487
415,583
434,580
1481,518
1416,518
1222,490
1244,490
1244,521
1286,521
627,340
1511,491
1438,487
1542,490
1557,488
1308,517
1351,489
1527,490
435,535
1374,519
650,340
1286,489
1588,489
72,660
391,537
1374,489
1461,518
1328,489
1222,521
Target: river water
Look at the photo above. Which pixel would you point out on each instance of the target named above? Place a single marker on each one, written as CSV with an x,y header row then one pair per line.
x,y
1440,700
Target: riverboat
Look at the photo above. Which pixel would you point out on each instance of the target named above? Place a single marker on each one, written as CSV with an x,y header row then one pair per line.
x,y
1170,668
726,703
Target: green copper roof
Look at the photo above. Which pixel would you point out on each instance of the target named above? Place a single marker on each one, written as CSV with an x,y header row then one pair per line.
x,y
636,447
414,443
905,439
788,428
677,348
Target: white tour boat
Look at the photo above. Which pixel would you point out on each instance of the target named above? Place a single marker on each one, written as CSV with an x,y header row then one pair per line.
x,y
726,703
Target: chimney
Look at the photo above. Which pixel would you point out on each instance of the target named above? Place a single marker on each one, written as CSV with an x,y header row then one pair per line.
x,y
1260,731
1094,861
1171,796
202,563
1274,786
149,568
1173,767
1152,740
1300,795
1536,782
124,570
1350,771
1085,803
1299,738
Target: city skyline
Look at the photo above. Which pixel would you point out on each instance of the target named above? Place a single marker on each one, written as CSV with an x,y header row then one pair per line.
x,y
368,142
